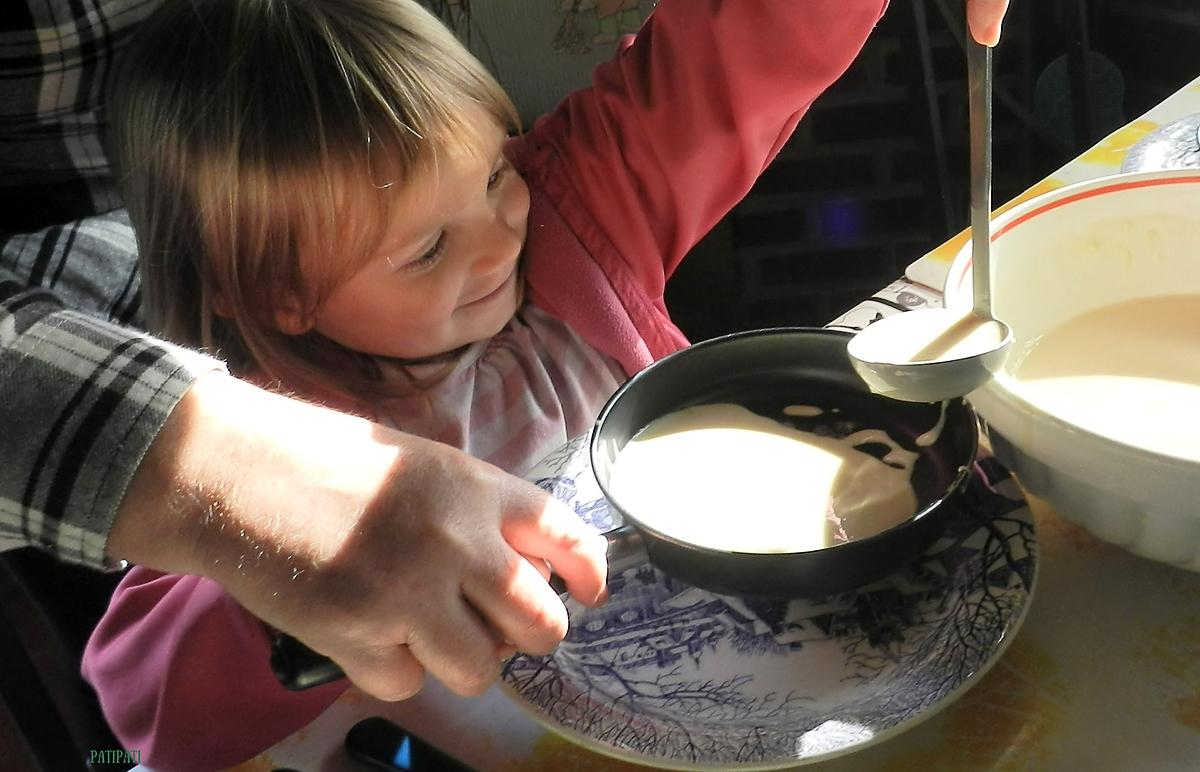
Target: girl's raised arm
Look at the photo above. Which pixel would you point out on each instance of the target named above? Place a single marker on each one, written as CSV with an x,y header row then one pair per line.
x,y
676,129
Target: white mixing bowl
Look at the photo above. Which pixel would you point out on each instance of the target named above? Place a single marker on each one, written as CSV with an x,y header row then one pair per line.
x,y
1055,257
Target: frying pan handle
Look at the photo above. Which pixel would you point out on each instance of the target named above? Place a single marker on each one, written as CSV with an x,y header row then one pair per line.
x,y
298,667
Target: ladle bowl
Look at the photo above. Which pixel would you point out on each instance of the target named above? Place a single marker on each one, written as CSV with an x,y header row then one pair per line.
x,y
886,355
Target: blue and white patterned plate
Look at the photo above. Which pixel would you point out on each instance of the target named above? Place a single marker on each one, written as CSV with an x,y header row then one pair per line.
x,y
673,676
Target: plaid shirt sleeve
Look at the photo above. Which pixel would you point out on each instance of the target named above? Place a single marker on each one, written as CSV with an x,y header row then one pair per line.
x,y
81,400
81,397
82,392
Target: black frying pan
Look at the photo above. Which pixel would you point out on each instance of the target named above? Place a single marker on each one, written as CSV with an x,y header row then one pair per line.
x,y
765,371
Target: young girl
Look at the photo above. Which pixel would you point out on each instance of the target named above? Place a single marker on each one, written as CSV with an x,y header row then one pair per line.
x,y
325,192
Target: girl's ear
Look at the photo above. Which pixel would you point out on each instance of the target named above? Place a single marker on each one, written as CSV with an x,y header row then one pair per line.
x,y
290,320
220,306
293,321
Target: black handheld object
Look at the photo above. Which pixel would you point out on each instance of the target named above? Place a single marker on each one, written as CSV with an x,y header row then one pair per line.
x,y
385,745
298,667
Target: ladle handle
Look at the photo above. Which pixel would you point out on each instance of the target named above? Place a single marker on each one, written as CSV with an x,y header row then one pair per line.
x,y
298,667
979,114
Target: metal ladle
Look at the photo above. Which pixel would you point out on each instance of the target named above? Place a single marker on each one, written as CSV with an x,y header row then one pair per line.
x,y
933,354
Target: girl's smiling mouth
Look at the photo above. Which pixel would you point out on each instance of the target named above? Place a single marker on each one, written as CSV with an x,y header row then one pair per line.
x,y
497,292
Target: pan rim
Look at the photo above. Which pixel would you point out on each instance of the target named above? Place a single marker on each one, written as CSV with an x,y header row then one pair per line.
x,y
960,477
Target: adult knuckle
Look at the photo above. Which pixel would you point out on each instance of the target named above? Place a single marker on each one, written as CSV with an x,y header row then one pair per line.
x,y
479,679
546,629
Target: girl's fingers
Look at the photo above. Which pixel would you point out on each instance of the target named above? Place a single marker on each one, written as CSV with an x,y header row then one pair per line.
x,y
390,673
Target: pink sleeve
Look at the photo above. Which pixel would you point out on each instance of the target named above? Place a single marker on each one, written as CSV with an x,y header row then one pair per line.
x,y
676,129
183,675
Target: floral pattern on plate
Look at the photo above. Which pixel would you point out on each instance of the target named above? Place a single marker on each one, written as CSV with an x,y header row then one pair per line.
x,y
674,676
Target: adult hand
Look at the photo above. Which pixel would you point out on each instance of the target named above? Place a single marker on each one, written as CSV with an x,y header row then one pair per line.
x,y
984,18
390,554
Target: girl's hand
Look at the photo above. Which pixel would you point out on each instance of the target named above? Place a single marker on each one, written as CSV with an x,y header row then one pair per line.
x,y
390,554
984,18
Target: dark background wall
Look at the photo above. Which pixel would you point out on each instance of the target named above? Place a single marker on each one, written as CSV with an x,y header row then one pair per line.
x,y
876,175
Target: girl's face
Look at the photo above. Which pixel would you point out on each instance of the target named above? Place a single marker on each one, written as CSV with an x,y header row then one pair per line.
x,y
447,274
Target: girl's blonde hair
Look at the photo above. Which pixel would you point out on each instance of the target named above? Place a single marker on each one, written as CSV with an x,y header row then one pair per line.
x,y
258,141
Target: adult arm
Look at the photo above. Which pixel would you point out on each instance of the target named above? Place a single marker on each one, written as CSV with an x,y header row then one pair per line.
x,y
389,553
384,551
329,509
82,401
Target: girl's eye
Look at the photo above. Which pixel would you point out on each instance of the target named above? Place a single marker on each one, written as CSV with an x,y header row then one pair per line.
x,y
431,256
497,175
427,259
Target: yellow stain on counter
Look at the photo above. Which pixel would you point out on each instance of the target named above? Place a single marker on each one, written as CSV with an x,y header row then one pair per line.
x,y
553,753
1111,150
1188,712
1186,584
1171,649
947,250
1005,722
256,764
1060,534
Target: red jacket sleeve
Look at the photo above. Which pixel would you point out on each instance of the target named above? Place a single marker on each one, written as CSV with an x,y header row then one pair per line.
x,y
676,129
183,675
